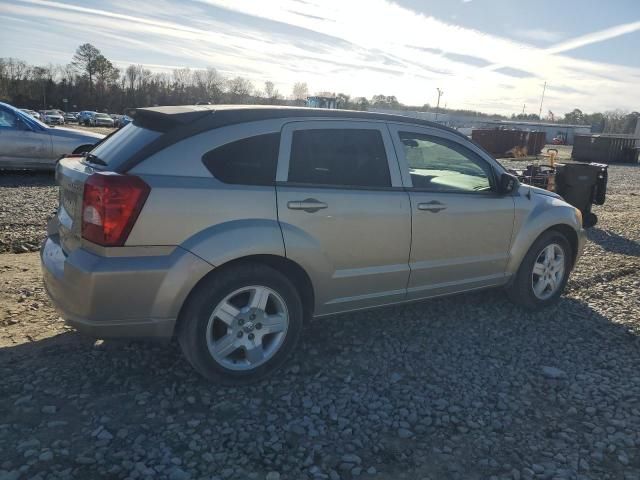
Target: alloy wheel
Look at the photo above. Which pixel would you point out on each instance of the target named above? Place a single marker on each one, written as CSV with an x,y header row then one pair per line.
x,y
548,271
247,328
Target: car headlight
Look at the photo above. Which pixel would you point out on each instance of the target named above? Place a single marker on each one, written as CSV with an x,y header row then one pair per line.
x,y
578,215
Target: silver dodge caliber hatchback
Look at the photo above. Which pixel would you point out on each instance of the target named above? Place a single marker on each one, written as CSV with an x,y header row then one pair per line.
x,y
231,226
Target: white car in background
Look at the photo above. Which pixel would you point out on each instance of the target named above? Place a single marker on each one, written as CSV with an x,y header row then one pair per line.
x,y
28,143
33,113
101,120
53,117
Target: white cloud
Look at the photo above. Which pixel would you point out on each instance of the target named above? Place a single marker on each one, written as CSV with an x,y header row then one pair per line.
x,y
538,34
595,37
357,47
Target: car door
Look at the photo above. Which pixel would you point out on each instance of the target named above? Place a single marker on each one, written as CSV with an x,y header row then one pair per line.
x,y
20,145
461,226
344,214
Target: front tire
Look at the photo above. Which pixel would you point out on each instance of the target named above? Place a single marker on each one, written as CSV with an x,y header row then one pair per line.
x,y
241,324
543,273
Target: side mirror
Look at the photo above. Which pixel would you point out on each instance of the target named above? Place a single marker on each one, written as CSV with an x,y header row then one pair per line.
x,y
507,183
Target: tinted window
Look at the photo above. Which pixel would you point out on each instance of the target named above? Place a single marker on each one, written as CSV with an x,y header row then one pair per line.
x,y
438,164
348,157
125,142
250,161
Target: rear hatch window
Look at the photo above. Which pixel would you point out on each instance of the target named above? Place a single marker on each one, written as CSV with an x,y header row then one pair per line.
x,y
121,145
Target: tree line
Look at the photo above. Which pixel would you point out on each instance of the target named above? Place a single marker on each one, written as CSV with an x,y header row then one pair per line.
x,y
90,81
612,121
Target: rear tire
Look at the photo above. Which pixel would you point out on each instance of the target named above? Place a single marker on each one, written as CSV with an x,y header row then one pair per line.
x,y
543,273
231,336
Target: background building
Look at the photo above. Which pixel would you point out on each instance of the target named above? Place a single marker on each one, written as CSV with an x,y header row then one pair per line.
x,y
466,123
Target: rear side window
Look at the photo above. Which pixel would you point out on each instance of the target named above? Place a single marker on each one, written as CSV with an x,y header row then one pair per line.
x,y
340,157
250,161
124,143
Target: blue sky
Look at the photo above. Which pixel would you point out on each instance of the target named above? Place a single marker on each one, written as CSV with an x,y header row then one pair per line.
x,y
490,55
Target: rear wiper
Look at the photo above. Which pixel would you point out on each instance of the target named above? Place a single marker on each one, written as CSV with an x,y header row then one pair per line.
x,y
91,158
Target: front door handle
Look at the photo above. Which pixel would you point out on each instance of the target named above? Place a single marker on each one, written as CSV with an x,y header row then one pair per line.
x,y
309,205
433,206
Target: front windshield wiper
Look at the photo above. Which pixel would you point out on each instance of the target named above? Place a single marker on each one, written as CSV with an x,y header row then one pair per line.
x,y
91,158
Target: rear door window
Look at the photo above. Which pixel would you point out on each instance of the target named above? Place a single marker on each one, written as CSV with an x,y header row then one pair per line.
x,y
250,161
339,157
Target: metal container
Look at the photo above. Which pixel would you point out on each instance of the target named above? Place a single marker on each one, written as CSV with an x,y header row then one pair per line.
x,y
516,143
605,148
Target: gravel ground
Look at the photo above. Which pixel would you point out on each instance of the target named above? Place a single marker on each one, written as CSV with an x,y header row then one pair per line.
x,y
468,387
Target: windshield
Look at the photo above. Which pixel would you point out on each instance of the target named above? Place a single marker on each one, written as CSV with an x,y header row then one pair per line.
x,y
51,112
102,115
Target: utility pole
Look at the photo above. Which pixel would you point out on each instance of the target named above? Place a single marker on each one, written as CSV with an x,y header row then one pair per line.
x,y
523,107
542,100
440,93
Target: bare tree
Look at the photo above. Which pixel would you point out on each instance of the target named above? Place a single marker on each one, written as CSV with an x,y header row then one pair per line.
x,y
85,60
300,91
68,73
240,89
131,74
210,82
271,92
183,77
41,76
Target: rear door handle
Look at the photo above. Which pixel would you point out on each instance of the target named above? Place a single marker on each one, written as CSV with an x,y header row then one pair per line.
x,y
433,206
309,205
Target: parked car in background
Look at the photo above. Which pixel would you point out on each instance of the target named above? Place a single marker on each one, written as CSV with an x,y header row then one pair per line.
x,y
120,120
101,120
125,120
52,117
233,226
84,117
26,142
33,113
69,117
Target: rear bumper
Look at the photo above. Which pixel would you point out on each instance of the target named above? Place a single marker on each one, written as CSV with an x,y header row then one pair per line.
x,y
119,296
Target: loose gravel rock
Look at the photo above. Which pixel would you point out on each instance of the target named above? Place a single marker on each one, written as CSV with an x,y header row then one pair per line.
x,y
28,200
478,388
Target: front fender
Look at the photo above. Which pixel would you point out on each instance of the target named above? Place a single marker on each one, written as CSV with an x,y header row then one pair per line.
x,y
536,213
236,239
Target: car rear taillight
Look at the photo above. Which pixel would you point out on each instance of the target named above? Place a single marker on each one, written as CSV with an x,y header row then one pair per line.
x,y
110,207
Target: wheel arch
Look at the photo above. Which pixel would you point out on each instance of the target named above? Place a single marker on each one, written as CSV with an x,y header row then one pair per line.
x,y
527,237
292,270
572,237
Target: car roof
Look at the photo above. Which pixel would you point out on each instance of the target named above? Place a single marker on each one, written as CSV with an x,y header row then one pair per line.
x,y
183,121
213,116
